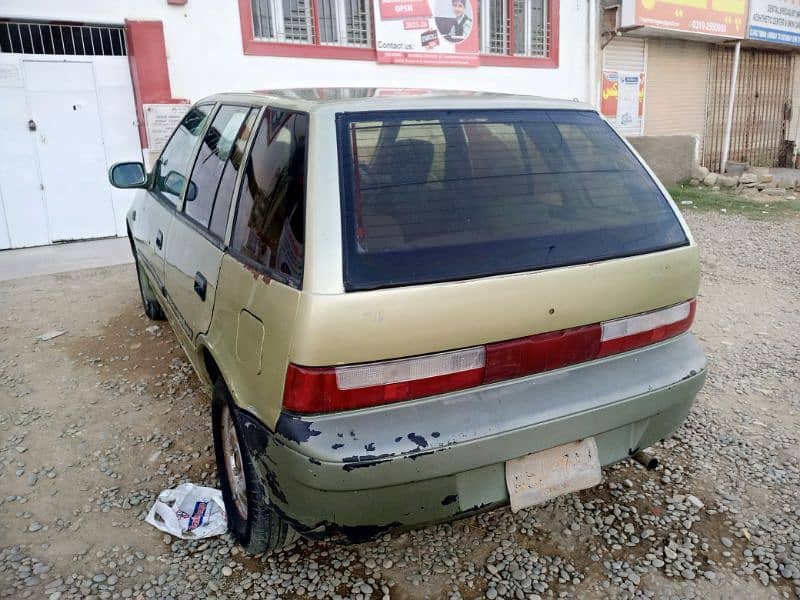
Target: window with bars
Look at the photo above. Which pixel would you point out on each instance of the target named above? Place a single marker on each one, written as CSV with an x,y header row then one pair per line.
x,y
29,37
314,22
515,28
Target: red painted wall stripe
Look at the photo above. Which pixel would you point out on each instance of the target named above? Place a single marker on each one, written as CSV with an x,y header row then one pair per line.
x,y
147,54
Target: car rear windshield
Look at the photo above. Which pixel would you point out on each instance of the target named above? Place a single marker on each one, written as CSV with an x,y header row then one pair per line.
x,y
432,196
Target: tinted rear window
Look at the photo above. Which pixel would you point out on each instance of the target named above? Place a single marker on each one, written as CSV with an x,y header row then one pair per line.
x,y
440,196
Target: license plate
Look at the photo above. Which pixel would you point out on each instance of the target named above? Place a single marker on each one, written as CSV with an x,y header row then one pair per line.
x,y
536,478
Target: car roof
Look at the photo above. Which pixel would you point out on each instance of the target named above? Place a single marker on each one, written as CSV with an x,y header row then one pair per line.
x,y
345,99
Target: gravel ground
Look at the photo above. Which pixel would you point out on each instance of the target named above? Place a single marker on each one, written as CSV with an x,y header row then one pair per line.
x,y
94,423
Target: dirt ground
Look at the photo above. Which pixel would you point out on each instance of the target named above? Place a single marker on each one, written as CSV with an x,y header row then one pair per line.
x,y
95,422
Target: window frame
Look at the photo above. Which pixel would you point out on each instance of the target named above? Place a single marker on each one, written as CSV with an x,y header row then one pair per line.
x,y
552,24
248,262
221,243
178,206
259,47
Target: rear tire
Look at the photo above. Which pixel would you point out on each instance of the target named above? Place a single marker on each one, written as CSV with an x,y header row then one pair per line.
x,y
251,519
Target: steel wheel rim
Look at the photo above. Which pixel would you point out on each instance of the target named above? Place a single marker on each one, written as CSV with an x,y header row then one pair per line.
x,y
234,466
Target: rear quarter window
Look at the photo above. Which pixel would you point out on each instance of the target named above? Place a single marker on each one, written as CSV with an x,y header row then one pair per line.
x,y
439,196
269,228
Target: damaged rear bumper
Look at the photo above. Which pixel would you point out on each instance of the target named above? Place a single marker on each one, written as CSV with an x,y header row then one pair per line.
x,y
358,473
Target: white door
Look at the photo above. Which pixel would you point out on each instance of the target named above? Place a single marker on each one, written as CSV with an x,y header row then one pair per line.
x,y
23,207
62,102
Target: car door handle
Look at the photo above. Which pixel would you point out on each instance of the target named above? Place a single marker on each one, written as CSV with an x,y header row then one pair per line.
x,y
159,239
200,284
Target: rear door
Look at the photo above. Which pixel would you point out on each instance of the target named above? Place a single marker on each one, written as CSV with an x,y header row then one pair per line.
x,y
195,243
168,181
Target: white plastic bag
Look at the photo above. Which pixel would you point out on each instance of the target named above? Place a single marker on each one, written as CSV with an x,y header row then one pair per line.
x,y
189,512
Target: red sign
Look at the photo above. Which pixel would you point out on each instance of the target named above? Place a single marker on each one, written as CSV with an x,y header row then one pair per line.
x,y
609,93
401,9
415,24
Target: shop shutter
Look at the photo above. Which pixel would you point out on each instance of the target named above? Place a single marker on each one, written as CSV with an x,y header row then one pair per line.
x,y
677,81
625,55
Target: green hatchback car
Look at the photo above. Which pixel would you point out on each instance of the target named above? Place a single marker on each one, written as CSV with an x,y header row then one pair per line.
x,y
411,306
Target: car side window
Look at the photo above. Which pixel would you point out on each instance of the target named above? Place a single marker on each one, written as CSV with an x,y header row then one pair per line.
x,y
172,167
270,219
212,157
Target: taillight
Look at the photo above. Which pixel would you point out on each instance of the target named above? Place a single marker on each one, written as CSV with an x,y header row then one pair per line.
x,y
626,334
327,389
313,389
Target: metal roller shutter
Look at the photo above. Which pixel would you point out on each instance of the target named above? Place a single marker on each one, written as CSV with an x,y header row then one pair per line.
x,y
677,80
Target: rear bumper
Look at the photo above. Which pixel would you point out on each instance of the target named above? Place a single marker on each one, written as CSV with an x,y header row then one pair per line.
x,y
360,472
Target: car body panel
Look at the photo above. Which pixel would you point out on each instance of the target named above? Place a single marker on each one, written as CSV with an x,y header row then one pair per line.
x,y
189,254
405,321
146,217
257,387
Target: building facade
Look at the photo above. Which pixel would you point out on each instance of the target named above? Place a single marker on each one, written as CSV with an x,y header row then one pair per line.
x,y
85,85
686,52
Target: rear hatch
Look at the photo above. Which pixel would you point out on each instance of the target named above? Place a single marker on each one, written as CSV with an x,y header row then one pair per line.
x,y
467,228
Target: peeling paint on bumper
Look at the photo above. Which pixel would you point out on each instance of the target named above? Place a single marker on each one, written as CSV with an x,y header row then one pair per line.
x,y
362,472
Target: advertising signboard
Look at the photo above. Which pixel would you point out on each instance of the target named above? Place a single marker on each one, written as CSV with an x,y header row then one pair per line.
x,y
427,32
775,21
724,18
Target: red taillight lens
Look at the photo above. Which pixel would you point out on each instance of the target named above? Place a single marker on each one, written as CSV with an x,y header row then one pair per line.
x,y
327,389
543,352
312,389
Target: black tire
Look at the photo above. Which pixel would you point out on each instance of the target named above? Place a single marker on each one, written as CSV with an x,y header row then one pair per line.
x,y
261,528
151,306
153,310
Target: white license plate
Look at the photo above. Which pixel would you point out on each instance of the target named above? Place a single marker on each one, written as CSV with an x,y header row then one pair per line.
x,y
538,477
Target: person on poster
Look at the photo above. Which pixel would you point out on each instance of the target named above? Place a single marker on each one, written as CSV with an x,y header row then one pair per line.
x,y
463,23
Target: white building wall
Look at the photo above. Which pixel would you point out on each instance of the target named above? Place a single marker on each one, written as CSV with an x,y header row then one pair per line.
x,y
204,53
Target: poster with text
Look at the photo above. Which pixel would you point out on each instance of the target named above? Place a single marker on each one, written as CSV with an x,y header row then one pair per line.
x,y
628,87
427,32
609,99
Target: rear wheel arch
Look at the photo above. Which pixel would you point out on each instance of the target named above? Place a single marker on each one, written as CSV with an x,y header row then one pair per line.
x,y
211,366
262,528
